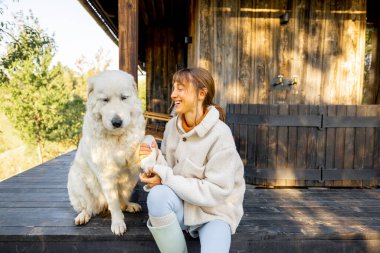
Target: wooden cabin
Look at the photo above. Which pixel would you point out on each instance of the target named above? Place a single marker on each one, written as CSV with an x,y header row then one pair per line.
x,y
299,79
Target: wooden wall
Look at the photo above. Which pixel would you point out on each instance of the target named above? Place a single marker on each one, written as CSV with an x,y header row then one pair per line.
x,y
243,44
162,29
371,89
159,67
308,145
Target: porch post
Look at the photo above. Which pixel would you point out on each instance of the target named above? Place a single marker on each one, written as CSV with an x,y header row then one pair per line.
x,y
128,36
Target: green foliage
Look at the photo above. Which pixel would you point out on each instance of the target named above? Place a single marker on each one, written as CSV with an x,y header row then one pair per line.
x,y
142,91
9,137
71,124
38,102
44,104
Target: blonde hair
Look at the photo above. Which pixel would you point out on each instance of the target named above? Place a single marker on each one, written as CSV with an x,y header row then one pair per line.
x,y
200,78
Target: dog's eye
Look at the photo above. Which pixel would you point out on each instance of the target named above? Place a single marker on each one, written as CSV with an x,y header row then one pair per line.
x,y
105,100
124,97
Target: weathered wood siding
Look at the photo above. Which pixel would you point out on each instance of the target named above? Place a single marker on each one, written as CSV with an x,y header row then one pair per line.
x,y
308,145
160,66
371,89
243,44
162,31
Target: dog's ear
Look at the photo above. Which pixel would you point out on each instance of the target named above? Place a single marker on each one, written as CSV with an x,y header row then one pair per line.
x,y
90,86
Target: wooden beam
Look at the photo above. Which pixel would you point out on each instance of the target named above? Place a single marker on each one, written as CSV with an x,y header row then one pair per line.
x,y
128,36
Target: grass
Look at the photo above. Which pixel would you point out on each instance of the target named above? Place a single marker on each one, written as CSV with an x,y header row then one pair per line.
x,y
8,135
17,156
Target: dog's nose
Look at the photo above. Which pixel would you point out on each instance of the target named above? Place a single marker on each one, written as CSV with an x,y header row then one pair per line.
x,y
117,122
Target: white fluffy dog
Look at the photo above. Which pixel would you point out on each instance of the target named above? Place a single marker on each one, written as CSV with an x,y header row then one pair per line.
x,y
106,168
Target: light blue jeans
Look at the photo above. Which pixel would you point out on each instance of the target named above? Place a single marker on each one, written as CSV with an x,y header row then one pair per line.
x,y
215,235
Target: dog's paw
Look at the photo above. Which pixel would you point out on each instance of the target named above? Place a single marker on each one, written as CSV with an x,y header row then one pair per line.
x,y
118,227
133,207
82,218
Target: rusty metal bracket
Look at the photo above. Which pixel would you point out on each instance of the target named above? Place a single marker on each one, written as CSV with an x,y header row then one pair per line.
x,y
321,167
322,121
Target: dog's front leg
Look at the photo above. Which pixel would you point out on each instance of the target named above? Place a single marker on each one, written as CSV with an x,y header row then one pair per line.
x,y
110,191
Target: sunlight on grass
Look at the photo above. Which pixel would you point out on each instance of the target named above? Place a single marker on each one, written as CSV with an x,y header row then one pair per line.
x,y
17,156
142,90
8,135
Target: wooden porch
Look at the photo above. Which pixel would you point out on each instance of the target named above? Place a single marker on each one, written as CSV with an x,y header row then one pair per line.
x,y
36,216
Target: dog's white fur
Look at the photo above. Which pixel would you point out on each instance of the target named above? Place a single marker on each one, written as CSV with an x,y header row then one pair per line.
x,y
105,169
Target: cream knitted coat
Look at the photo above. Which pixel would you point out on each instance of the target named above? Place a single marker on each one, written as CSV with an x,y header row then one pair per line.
x,y
204,169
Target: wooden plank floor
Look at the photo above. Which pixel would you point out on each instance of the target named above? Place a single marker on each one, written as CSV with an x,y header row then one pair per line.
x,y
36,216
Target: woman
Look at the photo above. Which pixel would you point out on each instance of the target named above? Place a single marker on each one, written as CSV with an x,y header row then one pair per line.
x,y
197,183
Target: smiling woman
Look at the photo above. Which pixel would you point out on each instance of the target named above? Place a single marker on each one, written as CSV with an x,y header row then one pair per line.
x,y
197,181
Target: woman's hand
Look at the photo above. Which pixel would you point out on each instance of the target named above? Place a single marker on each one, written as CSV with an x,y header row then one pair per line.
x,y
151,179
145,149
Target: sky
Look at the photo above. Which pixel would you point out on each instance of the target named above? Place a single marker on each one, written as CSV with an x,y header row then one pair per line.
x,y
75,32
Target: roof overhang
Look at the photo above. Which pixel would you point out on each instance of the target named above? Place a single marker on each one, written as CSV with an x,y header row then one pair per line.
x,y
105,13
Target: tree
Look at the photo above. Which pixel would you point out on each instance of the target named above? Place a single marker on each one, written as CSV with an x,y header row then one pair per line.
x,y
37,102
87,67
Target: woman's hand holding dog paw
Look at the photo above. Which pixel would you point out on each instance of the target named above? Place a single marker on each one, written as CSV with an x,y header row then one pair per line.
x,y
146,149
151,178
